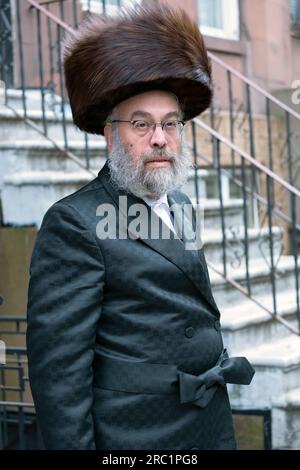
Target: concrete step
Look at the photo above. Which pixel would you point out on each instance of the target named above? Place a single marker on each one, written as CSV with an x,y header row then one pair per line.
x,y
290,399
249,324
258,244
42,155
260,279
286,420
27,167
210,213
12,127
33,99
277,372
27,196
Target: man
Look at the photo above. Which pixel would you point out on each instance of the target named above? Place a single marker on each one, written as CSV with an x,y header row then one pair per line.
x,y
124,342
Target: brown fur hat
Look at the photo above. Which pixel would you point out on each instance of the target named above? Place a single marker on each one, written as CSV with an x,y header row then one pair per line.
x,y
112,58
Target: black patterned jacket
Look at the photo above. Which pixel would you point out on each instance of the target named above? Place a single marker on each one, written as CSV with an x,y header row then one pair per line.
x,y
134,301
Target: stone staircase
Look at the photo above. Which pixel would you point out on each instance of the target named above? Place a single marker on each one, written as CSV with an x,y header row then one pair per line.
x,y
248,330
34,174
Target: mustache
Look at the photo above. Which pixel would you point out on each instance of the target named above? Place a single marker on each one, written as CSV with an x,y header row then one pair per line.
x,y
159,155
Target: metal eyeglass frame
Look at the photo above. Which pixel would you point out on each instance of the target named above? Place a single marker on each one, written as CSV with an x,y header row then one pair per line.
x,y
152,124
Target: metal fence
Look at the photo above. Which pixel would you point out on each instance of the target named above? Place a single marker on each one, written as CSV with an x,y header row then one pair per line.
x,y
18,423
269,205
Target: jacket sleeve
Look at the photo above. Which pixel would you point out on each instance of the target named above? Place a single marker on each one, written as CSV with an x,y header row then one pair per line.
x,y
64,306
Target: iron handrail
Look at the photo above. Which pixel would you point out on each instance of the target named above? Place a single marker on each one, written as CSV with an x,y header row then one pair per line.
x,y
18,404
9,318
250,82
258,197
66,152
48,2
247,156
16,350
50,15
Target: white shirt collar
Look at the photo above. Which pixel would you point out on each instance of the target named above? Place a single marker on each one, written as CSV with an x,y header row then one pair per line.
x,y
154,202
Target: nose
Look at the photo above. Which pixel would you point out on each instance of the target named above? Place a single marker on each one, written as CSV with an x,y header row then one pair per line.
x,y
158,138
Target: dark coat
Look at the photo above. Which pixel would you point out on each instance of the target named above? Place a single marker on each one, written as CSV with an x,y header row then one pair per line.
x,y
143,301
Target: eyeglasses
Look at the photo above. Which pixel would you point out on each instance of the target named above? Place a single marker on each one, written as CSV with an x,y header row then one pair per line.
x,y
141,127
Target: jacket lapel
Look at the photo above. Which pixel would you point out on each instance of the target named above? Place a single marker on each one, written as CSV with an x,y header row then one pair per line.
x,y
190,261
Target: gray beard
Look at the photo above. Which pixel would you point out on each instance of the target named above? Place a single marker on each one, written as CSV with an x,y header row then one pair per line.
x,y
134,177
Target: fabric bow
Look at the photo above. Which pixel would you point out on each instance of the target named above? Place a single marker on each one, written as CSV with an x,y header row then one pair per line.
x,y
201,388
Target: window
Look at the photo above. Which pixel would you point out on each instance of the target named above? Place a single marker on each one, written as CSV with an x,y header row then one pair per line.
x,y
295,17
219,18
104,6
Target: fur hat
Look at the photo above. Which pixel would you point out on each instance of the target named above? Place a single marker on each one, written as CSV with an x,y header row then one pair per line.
x,y
110,59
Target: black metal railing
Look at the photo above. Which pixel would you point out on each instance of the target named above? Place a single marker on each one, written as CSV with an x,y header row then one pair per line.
x,y
6,43
18,424
256,121
268,206
19,429
12,325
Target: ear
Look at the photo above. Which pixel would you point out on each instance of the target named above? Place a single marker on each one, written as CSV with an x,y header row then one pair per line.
x,y
108,137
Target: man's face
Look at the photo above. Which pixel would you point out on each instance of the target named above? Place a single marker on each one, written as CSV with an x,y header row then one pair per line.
x,y
151,163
